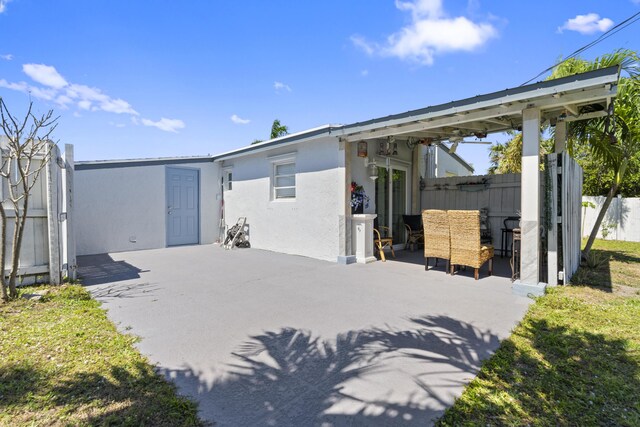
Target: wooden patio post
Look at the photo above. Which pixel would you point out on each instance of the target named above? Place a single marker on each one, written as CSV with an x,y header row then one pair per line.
x,y
560,136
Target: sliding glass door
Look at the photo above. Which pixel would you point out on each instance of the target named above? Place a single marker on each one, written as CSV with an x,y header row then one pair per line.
x,y
391,200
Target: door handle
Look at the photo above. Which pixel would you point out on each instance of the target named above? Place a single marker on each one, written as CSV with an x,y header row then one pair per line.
x,y
169,210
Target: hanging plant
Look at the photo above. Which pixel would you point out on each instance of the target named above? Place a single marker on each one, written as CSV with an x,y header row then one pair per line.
x,y
358,197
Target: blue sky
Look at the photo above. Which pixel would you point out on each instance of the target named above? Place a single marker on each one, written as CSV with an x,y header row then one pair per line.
x,y
137,79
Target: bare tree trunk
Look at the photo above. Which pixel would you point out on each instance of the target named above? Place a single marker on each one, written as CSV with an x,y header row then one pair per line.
x,y
13,291
594,231
21,219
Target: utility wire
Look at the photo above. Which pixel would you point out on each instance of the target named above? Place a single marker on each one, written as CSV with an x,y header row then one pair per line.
x,y
613,30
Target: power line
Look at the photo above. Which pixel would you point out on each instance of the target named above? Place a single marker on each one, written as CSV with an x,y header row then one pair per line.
x,y
612,31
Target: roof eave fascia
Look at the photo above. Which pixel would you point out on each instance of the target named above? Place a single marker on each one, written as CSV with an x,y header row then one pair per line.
x,y
321,132
522,97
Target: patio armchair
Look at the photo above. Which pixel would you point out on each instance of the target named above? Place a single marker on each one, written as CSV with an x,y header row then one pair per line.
x,y
437,243
415,232
466,249
381,239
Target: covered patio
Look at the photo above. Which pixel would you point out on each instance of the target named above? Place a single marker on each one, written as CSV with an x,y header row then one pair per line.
x,y
399,141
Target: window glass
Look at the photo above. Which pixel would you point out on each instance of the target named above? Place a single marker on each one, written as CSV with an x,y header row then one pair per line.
x,y
284,181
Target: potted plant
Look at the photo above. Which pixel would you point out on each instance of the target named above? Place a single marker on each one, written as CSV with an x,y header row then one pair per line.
x,y
359,199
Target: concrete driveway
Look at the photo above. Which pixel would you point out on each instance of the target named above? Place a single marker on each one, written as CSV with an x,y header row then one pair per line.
x,y
261,338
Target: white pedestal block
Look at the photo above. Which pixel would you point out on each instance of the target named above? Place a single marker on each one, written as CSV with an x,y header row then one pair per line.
x,y
362,237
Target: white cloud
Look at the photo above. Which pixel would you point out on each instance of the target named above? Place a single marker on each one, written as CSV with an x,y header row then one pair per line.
x,y
587,24
84,105
63,101
237,120
118,106
40,93
45,74
55,88
430,32
279,86
167,125
7,57
3,5
364,73
363,44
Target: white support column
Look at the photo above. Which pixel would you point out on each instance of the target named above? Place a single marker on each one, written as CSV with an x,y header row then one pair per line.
x,y
362,242
53,215
345,251
415,180
529,283
68,229
560,136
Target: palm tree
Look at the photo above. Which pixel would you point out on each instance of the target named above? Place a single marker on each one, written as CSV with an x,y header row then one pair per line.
x,y
615,138
278,129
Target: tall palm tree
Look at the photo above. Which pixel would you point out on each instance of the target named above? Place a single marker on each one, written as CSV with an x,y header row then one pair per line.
x,y
278,129
615,138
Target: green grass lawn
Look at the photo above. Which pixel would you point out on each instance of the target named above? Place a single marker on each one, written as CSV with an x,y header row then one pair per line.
x,y
574,359
62,362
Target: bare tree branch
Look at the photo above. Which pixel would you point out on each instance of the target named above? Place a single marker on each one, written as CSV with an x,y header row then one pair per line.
x,y
29,148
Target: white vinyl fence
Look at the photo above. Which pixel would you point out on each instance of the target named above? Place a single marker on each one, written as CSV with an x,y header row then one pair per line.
x,y
564,177
48,245
621,222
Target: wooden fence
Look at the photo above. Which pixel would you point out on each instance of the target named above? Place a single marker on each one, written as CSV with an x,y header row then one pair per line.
x,y
621,222
499,193
48,245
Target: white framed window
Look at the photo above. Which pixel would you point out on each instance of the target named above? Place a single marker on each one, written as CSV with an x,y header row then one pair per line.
x,y
227,179
283,177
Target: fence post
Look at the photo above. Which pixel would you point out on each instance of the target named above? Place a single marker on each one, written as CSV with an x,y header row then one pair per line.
x,y
53,215
68,229
552,236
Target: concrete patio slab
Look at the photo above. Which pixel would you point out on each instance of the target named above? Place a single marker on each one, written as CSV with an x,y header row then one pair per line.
x,y
262,338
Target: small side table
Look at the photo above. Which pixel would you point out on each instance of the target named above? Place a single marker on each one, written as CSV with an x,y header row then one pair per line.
x,y
515,255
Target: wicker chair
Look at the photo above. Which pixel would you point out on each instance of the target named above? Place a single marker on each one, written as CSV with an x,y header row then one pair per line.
x,y
382,240
436,236
415,233
466,248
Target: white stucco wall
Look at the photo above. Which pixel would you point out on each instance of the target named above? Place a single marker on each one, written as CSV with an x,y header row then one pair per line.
x,y
124,208
308,225
438,163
